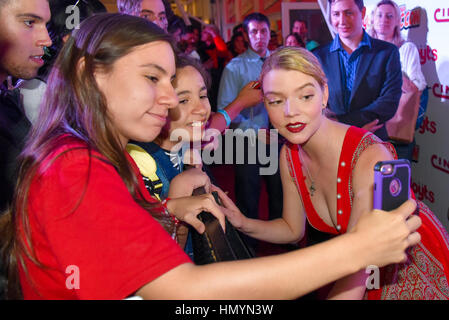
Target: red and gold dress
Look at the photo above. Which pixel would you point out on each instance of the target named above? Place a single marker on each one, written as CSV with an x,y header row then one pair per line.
x,y
425,274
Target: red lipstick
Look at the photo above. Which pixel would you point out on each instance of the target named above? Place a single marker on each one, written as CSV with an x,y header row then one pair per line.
x,y
295,127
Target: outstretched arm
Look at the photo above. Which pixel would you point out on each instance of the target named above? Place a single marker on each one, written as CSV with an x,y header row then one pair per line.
x,y
379,238
231,84
287,229
247,97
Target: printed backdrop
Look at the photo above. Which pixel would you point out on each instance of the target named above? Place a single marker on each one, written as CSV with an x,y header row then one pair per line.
x,y
426,23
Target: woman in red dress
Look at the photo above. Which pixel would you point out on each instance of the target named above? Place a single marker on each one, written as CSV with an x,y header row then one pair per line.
x,y
327,178
83,226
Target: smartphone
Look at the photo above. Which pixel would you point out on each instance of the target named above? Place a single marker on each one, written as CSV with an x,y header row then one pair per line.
x,y
391,184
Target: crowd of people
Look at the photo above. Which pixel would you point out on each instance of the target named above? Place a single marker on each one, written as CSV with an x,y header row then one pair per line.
x,y
102,140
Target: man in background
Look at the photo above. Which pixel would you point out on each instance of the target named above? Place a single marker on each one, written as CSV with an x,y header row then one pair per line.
x,y
364,74
23,36
300,27
153,10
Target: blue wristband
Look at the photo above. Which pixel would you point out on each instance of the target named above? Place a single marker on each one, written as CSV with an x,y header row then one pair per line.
x,y
226,116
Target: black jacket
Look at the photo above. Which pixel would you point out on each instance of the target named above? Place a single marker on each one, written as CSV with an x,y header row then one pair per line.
x,y
14,127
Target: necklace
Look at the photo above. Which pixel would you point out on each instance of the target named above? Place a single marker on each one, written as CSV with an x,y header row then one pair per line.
x,y
312,188
312,183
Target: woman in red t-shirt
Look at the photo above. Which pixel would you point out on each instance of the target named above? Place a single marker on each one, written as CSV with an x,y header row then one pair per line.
x,y
82,225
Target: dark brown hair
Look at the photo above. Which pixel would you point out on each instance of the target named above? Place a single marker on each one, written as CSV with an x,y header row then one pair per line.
x,y
186,61
131,7
74,105
255,16
359,3
298,39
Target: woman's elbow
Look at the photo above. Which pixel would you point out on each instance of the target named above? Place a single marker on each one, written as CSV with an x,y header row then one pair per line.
x,y
297,236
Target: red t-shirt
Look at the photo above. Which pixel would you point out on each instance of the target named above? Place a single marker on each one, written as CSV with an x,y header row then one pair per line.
x,y
104,246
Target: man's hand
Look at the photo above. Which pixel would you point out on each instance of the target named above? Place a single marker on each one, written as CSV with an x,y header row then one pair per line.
x,y
249,96
373,126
